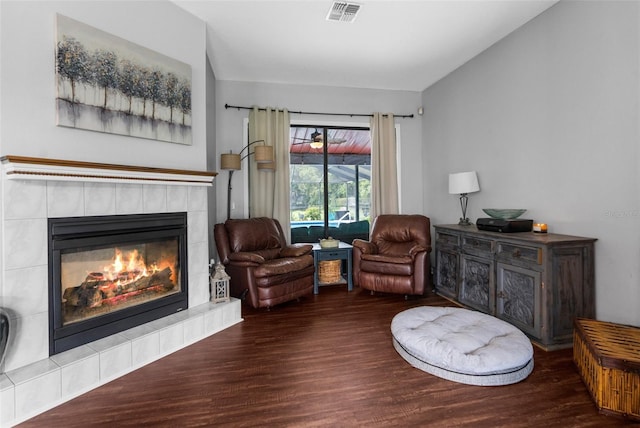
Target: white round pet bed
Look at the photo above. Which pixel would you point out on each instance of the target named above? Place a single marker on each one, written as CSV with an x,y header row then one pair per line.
x,y
462,345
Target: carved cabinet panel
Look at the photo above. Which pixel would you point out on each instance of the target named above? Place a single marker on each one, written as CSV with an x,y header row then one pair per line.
x,y
447,272
476,282
518,298
537,282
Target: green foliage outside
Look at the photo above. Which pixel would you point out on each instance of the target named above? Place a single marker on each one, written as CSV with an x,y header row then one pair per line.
x,y
307,194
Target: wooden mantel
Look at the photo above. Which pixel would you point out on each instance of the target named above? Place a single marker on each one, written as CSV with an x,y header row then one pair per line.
x,y
30,168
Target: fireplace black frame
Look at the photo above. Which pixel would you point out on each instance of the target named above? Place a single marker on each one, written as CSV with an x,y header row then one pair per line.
x,y
78,232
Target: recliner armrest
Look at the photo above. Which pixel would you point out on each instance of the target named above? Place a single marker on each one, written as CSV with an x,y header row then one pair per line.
x,y
418,249
296,250
246,257
365,247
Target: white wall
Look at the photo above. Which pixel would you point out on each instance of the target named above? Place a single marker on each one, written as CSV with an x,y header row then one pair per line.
x,y
28,85
549,118
317,99
27,128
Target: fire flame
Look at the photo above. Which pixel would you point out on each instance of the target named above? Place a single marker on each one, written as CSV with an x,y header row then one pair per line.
x,y
130,267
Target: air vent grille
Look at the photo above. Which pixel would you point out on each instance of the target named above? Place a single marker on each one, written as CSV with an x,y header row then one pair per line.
x,y
343,11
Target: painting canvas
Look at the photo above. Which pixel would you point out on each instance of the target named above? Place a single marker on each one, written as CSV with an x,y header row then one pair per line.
x,y
108,84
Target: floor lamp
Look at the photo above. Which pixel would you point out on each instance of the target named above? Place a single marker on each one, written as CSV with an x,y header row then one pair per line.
x,y
462,183
263,155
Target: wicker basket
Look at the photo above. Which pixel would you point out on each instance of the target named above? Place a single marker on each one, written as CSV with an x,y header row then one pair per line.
x,y
608,359
329,271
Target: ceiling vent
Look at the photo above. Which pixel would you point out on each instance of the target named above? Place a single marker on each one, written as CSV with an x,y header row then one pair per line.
x,y
343,11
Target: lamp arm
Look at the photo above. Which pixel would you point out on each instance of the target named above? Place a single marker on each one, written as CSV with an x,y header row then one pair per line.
x,y
247,146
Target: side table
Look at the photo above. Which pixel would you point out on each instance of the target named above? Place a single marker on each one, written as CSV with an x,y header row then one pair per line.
x,y
343,252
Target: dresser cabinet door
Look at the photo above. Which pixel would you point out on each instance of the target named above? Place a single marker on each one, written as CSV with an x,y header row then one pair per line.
x,y
518,294
447,272
476,283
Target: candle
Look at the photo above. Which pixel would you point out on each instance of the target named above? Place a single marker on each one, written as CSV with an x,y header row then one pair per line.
x,y
540,227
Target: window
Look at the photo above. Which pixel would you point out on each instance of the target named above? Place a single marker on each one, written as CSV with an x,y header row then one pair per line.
x,y
330,183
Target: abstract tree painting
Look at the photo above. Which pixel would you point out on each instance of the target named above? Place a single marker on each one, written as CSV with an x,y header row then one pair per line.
x,y
110,85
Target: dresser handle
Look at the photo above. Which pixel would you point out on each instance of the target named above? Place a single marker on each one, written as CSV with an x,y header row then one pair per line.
x,y
516,253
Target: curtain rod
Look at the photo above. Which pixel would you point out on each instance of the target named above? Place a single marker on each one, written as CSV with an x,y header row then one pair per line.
x,y
226,106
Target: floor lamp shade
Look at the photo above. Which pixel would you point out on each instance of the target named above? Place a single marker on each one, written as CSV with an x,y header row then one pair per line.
x,y
263,154
230,161
267,166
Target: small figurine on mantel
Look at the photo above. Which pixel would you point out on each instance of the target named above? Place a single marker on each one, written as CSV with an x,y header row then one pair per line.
x,y
219,282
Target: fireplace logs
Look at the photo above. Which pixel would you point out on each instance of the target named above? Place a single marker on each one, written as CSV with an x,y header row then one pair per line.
x,y
97,291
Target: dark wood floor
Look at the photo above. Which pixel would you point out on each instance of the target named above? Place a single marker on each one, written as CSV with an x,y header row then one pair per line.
x,y
326,361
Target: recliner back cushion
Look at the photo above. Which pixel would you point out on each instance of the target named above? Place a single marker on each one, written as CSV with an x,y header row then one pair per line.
x,y
397,234
253,234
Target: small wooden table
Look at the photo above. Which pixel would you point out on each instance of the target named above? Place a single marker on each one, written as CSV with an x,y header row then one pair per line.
x,y
342,252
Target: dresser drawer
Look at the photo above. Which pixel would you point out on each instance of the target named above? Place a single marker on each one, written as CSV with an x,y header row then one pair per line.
x,y
519,253
448,239
475,245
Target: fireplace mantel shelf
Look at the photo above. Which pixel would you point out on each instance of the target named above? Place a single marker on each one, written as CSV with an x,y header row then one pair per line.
x,y
30,168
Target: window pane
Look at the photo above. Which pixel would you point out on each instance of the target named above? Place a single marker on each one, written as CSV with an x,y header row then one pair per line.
x,y
343,167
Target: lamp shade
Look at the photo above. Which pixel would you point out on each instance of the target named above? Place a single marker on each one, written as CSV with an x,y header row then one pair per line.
x,y
230,161
267,166
463,183
263,154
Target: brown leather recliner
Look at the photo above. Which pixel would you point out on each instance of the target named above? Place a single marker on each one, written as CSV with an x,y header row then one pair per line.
x,y
261,265
396,257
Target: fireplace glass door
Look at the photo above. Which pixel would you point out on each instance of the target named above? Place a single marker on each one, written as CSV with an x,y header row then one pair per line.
x,y
108,274
98,281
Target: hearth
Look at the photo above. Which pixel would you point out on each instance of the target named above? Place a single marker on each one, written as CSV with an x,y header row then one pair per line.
x,y
111,273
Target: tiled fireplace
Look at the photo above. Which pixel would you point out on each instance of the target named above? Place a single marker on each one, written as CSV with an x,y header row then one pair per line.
x,y
36,192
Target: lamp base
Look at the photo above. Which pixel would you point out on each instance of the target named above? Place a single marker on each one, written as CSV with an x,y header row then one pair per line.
x,y
464,222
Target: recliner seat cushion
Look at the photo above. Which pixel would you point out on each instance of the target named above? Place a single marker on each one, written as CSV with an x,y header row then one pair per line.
x,y
376,263
282,266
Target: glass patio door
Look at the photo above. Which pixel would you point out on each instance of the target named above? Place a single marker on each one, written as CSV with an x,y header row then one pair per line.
x,y
330,183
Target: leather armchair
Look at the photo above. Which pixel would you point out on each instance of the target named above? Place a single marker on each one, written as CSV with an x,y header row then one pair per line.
x,y
261,265
396,257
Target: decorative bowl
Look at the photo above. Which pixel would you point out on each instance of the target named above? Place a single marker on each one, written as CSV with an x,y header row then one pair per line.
x,y
329,243
504,214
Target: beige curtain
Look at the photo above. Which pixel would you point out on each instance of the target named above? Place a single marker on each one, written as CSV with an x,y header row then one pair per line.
x,y
269,190
384,174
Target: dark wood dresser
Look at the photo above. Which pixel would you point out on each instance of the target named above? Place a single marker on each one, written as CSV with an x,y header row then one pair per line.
x,y
539,282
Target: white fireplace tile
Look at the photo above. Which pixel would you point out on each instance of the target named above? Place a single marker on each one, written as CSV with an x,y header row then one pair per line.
x,y
25,199
7,400
197,199
16,281
145,349
99,198
30,342
115,356
194,329
154,198
198,257
213,320
129,199
65,199
80,370
25,243
37,386
197,222
177,199
232,312
199,292
171,338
